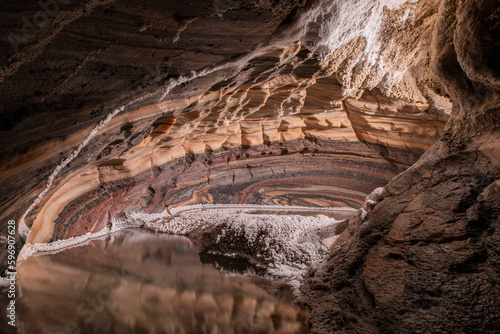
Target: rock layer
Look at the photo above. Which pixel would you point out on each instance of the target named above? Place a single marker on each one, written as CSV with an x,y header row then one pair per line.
x,y
343,174
266,101
272,102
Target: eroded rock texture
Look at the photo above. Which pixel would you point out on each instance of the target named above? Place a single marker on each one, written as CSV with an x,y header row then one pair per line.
x,y
424,258
225,102
114,107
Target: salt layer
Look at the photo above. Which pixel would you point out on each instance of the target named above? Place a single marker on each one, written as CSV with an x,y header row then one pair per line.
x,y
59,245
257,207
284,244
331,24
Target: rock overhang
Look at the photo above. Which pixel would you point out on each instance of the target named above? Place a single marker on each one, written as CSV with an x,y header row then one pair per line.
x,y
216,83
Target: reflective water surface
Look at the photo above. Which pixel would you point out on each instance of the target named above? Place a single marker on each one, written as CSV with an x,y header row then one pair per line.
x,y
136,281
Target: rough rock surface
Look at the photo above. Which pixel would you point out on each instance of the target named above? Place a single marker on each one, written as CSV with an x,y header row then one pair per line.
x,y
425,258
234,101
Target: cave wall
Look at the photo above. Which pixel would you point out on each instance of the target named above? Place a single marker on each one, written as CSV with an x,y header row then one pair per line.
x,y
143,105
422,256
274,174
246,114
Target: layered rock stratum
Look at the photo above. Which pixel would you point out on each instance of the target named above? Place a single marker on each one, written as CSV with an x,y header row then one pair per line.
x,y
112,107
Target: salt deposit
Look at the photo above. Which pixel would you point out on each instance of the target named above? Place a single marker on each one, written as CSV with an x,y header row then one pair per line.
x,y
284,244
59,245
331,24
23,229
257,207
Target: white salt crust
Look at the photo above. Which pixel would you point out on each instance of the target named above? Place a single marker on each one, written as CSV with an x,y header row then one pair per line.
x,y
287,244
290,245
138,219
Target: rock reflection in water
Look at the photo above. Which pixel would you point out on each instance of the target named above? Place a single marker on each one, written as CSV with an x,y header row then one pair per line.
x,y
136,281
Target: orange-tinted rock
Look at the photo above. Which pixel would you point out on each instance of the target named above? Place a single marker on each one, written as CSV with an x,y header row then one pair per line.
x,y
246,103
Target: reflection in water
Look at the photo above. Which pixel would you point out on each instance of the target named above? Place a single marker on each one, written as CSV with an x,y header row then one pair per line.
x,y
136,281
